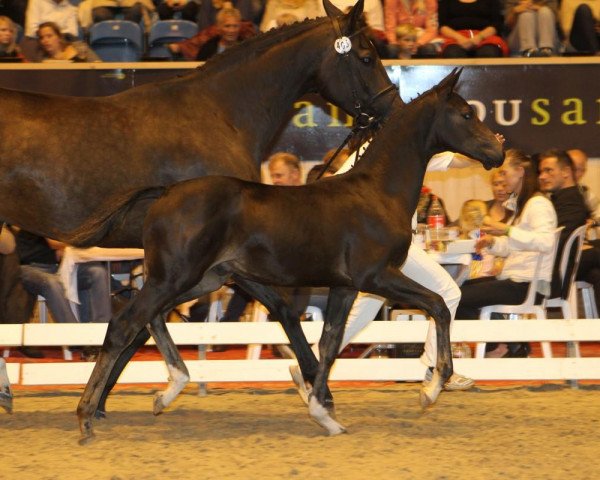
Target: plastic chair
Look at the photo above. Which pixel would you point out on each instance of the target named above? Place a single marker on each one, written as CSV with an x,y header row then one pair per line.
x,y
528,307
567,302
117,40
164,32
589,299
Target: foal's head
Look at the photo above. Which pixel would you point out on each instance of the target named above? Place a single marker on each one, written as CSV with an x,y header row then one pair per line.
x,y
457,128
351,74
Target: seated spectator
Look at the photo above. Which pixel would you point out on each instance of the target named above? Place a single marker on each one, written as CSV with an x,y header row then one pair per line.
x,y
8,40
188,8
131,10
580,160
315,172
423,16
532,25
531,234
250,10
228,31
285,169
557,179
55,47
406,41
61,12
373,11
471,28
580,22
14,9
299,9
589,265
40,258
496,207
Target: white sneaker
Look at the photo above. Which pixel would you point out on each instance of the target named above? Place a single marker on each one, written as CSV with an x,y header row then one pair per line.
x,y
304,390
455,383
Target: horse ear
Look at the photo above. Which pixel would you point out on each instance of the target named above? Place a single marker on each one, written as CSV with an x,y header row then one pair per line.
x,y
331,10
355,14
448,84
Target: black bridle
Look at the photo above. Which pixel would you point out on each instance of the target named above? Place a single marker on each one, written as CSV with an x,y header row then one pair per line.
x,y
362,121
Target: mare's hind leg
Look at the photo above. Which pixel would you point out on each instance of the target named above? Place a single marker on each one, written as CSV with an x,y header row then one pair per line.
x,y
282,311
320,407
392,284
122,330
178,372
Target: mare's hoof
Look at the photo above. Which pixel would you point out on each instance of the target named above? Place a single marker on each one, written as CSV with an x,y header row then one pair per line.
x,y
6,402
86,439
100,414
321,415
158,405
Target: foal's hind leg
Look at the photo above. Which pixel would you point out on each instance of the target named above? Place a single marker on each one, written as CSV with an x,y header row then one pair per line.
x,y
281,311
394,285
121,332
320,407
178,372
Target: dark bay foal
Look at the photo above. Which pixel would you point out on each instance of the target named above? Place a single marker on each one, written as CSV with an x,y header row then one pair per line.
x,y
350,232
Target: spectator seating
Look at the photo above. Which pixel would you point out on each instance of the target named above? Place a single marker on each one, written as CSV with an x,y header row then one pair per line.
x,y
117,41
164,32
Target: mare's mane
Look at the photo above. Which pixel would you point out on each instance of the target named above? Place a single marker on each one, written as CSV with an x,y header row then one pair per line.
x,y
257,45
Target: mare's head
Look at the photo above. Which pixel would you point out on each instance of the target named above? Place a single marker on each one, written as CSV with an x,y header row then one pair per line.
x,y
351,74
456,127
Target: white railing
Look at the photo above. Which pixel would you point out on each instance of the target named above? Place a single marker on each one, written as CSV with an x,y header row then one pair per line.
x,y
345,369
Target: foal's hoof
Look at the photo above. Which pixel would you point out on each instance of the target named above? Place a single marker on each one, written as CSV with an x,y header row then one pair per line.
x,y
424,400
158,405
86,439
320,414
100,415
6,402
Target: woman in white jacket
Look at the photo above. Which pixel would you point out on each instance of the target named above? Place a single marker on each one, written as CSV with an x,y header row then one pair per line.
x,y
531,234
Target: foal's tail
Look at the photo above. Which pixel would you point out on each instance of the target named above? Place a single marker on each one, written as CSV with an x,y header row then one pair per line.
x,y
111,215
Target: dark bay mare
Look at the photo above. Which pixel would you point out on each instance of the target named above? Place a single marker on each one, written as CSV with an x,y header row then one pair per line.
x,y
355,230
67,163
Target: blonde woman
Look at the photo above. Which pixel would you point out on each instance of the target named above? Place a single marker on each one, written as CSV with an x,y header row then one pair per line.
x,y
8,40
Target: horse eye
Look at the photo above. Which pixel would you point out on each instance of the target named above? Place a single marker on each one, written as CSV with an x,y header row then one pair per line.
x,y
468,115
366,60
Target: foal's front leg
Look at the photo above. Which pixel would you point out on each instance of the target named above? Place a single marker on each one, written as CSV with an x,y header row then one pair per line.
x,y
393,284
320,407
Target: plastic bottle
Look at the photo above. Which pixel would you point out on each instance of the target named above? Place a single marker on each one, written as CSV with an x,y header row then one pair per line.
x,y
436,221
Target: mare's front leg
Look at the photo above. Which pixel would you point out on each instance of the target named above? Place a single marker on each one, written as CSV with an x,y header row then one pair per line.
x,y
120,333
280,310
393,284
320,406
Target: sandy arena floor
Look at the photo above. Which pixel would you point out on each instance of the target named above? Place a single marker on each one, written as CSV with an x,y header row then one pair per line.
x,y
519,432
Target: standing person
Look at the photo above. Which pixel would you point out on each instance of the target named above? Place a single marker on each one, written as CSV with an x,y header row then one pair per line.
x,y
8,40
580,22
55,47
532,25
471,28
422,15
531,234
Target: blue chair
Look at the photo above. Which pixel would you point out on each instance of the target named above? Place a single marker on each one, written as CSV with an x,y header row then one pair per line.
x,y
164,32
117,41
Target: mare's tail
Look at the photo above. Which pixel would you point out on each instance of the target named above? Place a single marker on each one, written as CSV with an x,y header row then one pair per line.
x,y
111,215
